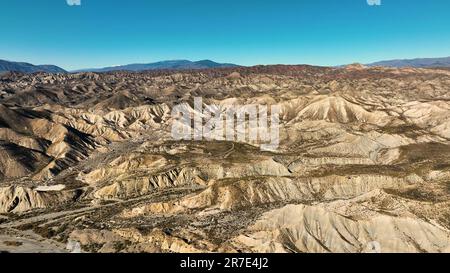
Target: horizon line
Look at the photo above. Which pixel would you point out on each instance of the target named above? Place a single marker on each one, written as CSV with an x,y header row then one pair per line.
x,y
220,62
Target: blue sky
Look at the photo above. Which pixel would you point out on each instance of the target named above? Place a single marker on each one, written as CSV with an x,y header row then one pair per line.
x,y
248,32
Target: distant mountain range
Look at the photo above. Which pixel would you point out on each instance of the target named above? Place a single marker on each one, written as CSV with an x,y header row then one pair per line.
x,y
164,65
204,64
28,68
423,62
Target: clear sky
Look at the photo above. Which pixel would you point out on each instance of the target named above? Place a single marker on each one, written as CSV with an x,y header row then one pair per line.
x,y
322,32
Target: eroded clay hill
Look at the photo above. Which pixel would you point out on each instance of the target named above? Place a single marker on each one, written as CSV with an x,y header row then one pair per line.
x,y
363,162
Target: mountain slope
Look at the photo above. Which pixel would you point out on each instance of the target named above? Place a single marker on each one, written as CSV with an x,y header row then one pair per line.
x,y
28,68
422,62
163,65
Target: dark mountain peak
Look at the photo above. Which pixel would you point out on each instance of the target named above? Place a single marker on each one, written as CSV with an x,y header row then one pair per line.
x,y
163,65
8,66
207,62
418,62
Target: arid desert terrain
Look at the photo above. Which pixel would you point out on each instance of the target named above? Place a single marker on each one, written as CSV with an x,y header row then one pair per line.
x,y
363,163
